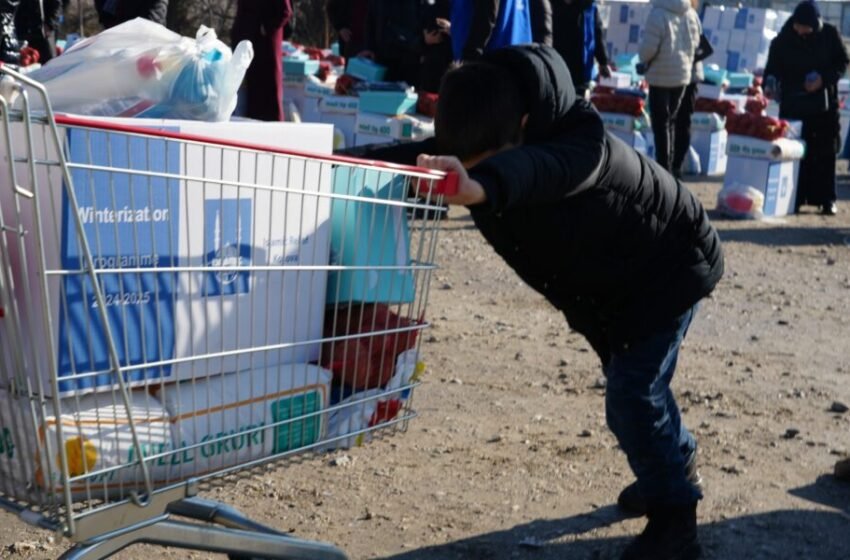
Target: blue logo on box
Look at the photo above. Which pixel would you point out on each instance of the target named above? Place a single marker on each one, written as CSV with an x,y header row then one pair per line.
x,y
634,34
227,225
733,59
741,18
624,14
130,221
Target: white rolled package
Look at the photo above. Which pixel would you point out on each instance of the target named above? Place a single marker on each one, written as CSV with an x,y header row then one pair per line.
x,y
783,149
97,438
235,418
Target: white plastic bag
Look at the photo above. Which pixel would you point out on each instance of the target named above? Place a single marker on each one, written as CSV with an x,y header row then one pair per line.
x,y
741,201
141,69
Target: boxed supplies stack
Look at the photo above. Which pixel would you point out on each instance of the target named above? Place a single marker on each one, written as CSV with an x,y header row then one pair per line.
x,y
133,219
709,138
741,36
768,167
386,114
625,27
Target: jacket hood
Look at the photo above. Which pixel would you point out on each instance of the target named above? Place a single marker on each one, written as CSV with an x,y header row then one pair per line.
x,y
545,85
675,6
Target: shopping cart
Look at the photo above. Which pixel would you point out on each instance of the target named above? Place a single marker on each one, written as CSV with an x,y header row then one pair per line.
x,y
177,309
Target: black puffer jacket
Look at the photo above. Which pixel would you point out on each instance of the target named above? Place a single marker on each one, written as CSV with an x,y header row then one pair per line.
x,y
607,235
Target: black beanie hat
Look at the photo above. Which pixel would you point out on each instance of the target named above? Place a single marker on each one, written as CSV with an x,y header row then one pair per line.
x,y
806,13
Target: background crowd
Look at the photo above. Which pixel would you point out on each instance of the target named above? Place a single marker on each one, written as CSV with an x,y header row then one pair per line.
x,y
419,40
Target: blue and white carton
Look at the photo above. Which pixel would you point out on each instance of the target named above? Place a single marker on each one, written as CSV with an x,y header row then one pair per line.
x,y
153,205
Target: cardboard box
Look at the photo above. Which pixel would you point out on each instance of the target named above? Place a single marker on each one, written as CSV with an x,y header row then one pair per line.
x,y
720,40
365,69
388,102
617,80
625,123
710,91
728,18
711,18
777,180
343,104
134,220
345,124
708,122
401,127
711,149
294,67
737,39
372,139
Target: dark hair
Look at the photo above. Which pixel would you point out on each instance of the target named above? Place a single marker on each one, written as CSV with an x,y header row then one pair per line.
x,y
479,109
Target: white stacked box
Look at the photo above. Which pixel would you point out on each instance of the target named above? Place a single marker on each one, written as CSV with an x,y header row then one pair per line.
x,y
769,167
741,37
140,223
625,26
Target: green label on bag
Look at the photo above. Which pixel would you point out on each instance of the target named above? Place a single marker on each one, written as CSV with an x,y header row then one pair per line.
x,y
299,432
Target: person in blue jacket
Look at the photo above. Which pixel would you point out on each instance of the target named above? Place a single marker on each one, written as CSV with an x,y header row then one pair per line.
x,y
484,25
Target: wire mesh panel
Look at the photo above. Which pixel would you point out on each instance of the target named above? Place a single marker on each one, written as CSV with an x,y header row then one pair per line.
x,y
177,308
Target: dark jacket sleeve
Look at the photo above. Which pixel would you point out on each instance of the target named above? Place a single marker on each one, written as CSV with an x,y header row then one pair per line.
x,y
599,50
53,13
541,21
484,14
838,57
774,66
156,11
339,13
545,172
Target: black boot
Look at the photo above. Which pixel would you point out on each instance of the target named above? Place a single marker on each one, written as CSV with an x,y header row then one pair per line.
x,y
671,534
631,500
10,49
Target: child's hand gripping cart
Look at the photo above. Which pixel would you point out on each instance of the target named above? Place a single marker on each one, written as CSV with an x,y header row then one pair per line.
x,y
175,309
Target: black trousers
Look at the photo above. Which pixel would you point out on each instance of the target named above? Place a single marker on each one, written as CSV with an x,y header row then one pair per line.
x,y
682,138
663,105
816,182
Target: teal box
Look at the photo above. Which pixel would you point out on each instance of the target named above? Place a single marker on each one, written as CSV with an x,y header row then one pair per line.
x,y
299,67
388,102
365,69
368,233
740,80
715,76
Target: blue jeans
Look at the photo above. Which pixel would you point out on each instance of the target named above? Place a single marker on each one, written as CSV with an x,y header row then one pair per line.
x,y
642,413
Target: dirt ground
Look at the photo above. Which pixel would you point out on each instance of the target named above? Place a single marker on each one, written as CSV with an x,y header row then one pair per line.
x,y
511,458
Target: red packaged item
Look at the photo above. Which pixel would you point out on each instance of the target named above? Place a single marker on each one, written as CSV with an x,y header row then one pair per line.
x,y
365,362
314,53
756,105
622,104
720,107
427,104
345,84
335,60
29,56
757,126
324,71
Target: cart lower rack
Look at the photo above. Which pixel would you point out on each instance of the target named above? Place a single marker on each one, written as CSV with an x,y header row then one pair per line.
x,y
177,308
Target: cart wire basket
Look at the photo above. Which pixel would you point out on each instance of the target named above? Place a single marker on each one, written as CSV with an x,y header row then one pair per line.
x,y
175,309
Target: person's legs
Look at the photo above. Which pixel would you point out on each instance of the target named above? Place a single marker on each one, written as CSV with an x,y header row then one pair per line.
x,y
682,140
643,415
659,113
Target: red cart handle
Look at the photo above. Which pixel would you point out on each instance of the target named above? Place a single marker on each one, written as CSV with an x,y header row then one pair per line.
x,y
447,186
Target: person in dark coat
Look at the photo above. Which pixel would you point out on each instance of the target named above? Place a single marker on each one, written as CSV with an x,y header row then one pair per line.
x,y
113,12
606,235
261,22
37,22
484,25
437,49
394,37
348,18
807,59
541,21
578,36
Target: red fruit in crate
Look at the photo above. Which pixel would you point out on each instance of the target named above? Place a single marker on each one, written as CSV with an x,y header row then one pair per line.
x,y
427,104
147,66
324,71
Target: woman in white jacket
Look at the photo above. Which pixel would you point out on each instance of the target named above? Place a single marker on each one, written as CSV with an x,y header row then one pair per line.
x,y
671,38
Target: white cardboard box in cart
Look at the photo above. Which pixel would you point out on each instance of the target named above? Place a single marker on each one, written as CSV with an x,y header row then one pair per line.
x,y
710,146
143,222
